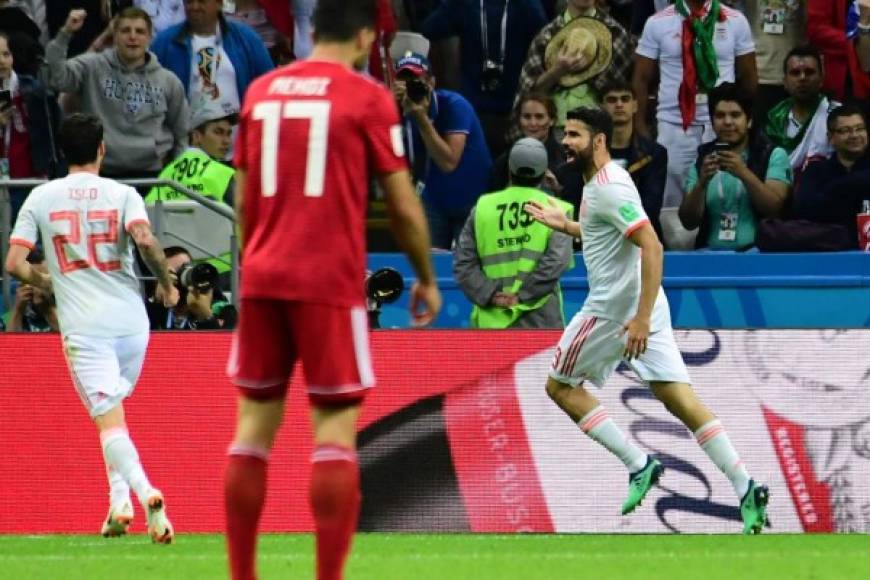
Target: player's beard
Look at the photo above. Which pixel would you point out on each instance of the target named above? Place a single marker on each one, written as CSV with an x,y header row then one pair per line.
x,y
584,158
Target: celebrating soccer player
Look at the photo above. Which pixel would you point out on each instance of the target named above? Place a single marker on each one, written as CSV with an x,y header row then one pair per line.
x,y
626,317
86,223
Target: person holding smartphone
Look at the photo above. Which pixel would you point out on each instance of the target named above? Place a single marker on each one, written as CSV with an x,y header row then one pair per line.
x,y
736,180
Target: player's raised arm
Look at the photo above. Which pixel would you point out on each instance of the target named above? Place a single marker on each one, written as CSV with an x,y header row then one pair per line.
x,y
408,224
152,253
554,217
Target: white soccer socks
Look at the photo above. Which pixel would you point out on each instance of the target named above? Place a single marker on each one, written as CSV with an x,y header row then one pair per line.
x,y
715,442
598,425
121,454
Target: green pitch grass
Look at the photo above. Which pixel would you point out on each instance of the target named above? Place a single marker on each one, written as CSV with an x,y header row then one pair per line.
x,y
451,557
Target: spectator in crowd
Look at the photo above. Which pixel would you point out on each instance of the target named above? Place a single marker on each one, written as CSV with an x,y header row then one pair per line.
x,y
507,264
202,167
445,138
537,115
644,159
833,190
798,124
862,44
140,103
34,309
777,27
833,26
272,20
723,52
215,59
29,118
494,38
736,180
19,18
198,308
574,57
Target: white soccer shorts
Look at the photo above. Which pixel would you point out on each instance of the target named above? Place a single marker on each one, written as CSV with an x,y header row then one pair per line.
x,y
104,370
591,348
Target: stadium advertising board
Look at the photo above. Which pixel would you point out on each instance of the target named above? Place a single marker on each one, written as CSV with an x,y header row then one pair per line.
x,y
460,436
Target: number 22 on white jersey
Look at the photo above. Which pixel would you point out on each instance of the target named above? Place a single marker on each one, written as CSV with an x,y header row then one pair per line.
x,y
271,113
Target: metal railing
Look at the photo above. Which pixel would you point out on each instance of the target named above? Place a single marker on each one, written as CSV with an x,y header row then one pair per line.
x,y
219,208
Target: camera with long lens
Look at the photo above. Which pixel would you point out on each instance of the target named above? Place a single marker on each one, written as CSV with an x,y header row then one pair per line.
x,y
201,277
383,286
490,76
417,90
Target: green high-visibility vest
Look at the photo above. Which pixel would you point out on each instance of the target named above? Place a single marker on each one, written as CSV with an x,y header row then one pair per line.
x,y
509,244
196,170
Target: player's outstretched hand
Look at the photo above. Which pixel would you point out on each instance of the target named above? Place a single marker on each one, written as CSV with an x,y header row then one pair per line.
x,y
637,333
425,303
551,215
168,296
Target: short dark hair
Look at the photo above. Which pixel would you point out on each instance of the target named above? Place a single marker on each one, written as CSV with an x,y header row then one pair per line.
x,y
847,110
804,51
597,120
80,138
617,86
172,251
339,20
545,100
733,94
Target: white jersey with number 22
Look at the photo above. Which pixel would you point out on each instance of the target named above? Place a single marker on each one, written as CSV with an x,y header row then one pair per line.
x,y
83,221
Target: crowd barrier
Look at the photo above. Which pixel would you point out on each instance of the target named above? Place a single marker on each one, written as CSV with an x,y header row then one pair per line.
x,y
705,290
459,435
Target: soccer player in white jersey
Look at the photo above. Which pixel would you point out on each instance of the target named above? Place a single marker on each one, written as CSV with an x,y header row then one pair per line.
x,y
626,317
88,226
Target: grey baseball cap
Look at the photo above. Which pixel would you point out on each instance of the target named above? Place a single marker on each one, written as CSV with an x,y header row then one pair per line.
x,y
528,158
208,113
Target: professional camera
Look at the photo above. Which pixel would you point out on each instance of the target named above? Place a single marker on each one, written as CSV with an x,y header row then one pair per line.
x,y
383,286
417,90
490,76
201,277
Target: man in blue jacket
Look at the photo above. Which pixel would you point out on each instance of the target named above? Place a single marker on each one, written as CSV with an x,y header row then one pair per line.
x,y
215,59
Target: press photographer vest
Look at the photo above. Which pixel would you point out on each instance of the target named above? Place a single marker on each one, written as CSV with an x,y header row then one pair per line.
x,y
208,177
509,244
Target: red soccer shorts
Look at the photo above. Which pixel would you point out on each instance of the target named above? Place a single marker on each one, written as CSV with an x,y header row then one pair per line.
x,y
331,341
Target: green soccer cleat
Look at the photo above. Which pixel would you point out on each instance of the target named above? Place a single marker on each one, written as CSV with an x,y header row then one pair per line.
x,y
640,482
753,508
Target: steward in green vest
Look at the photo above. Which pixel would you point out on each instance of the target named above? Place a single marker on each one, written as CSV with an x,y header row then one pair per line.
x,y
505,262
200,169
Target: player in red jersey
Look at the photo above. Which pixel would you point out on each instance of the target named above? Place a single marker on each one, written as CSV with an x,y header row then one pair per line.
x,y
311,135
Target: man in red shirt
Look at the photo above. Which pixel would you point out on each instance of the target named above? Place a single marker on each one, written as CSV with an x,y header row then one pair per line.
x,y
310,137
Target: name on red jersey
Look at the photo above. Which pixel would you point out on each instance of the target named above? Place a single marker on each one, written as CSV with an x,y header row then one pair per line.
x,y
300,86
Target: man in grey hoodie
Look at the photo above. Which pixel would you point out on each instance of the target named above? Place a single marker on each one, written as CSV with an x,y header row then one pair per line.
x,y
141,104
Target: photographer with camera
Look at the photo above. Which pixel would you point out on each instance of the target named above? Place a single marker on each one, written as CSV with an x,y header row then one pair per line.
x,y
736,180
445,145
201,304
35,309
